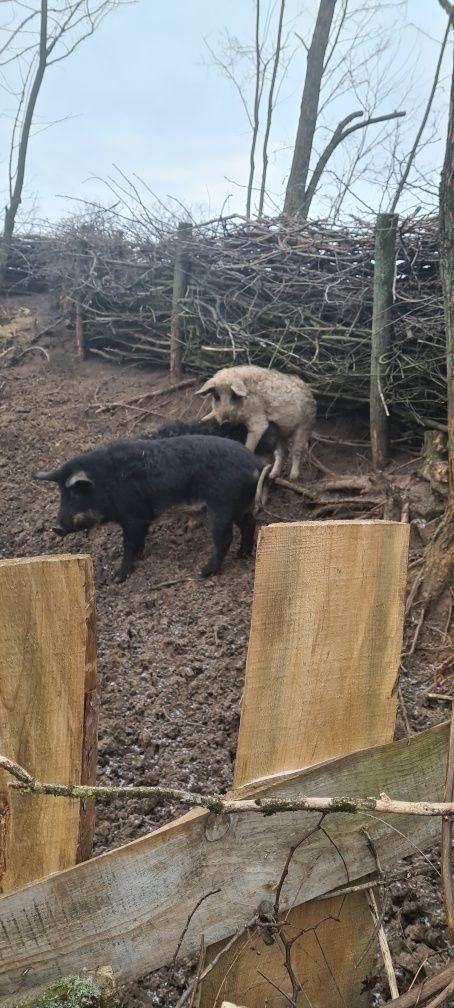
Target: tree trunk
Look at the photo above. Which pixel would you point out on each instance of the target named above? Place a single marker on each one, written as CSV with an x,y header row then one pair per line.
x,y
446,232
296,185
439,559
16,192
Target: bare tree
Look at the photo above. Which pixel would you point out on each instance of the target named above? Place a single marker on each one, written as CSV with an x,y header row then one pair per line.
x,y
264,63
300,192
270,105
352,53
296,186
38,36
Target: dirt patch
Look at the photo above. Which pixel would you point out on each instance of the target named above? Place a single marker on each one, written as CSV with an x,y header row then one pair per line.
x,y
171,659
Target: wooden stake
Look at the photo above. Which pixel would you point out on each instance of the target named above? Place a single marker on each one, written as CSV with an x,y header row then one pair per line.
x,y
383,297
180,283
81,346
48,711
324,652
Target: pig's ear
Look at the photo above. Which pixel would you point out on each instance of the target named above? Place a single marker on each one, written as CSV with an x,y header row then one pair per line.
x,y
208,387
52,475
80,478
239,388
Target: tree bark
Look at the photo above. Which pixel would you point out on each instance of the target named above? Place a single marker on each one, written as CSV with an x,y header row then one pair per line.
x,y
16,192
439,558
269,114
446,232
296,186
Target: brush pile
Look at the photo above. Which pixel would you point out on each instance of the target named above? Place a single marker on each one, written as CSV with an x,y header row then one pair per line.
x,y
272,292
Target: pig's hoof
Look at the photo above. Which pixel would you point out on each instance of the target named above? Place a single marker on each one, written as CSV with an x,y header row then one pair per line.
x,y
207,570
120,575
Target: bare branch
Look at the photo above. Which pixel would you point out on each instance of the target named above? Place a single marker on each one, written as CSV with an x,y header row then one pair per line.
x,y
448,7
422,127
256,110
338,136
270,108
219,805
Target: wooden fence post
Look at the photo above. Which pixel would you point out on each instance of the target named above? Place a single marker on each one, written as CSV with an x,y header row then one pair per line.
x,y
81,345
323,660
48,711
384,276
180,283
80,269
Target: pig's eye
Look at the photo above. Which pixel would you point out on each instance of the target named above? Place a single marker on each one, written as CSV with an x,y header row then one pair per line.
x,y
216,395
235,397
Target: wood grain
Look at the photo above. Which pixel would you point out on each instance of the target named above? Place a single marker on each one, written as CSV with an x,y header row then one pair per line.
x,y
322,667
48,710
128,908
325,643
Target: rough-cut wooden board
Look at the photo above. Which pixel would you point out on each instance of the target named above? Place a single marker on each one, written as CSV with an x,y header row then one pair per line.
x,y
323,659
326,631
48,710
127,908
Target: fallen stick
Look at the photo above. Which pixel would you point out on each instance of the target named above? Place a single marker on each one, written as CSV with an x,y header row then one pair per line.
x,y
418,994
130,403
27,784
384,947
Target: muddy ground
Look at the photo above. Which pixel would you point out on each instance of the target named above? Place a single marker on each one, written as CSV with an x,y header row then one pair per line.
x,y
171,659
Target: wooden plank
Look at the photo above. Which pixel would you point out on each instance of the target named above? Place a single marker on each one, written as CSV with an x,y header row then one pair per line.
x,y
128,908
48,710
326,632
323,660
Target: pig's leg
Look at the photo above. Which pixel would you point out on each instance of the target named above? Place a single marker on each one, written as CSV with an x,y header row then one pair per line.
x,y
279,458
134,536
246,525
222,531
256,430
299,447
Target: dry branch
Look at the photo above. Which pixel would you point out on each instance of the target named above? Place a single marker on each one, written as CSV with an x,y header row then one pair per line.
x,y
273,292
219,805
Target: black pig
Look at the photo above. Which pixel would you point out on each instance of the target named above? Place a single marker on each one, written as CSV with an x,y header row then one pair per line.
x,y
235,431
129,482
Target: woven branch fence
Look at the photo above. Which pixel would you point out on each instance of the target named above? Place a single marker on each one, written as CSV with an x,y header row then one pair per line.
x,y
278,293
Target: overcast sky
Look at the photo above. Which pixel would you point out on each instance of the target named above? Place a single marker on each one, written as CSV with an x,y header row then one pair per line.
x,y
143,94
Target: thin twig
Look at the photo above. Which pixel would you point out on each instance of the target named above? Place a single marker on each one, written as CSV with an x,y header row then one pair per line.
x,y
384,947
181,938
403,710
417,631
169,584
199,972
290,854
